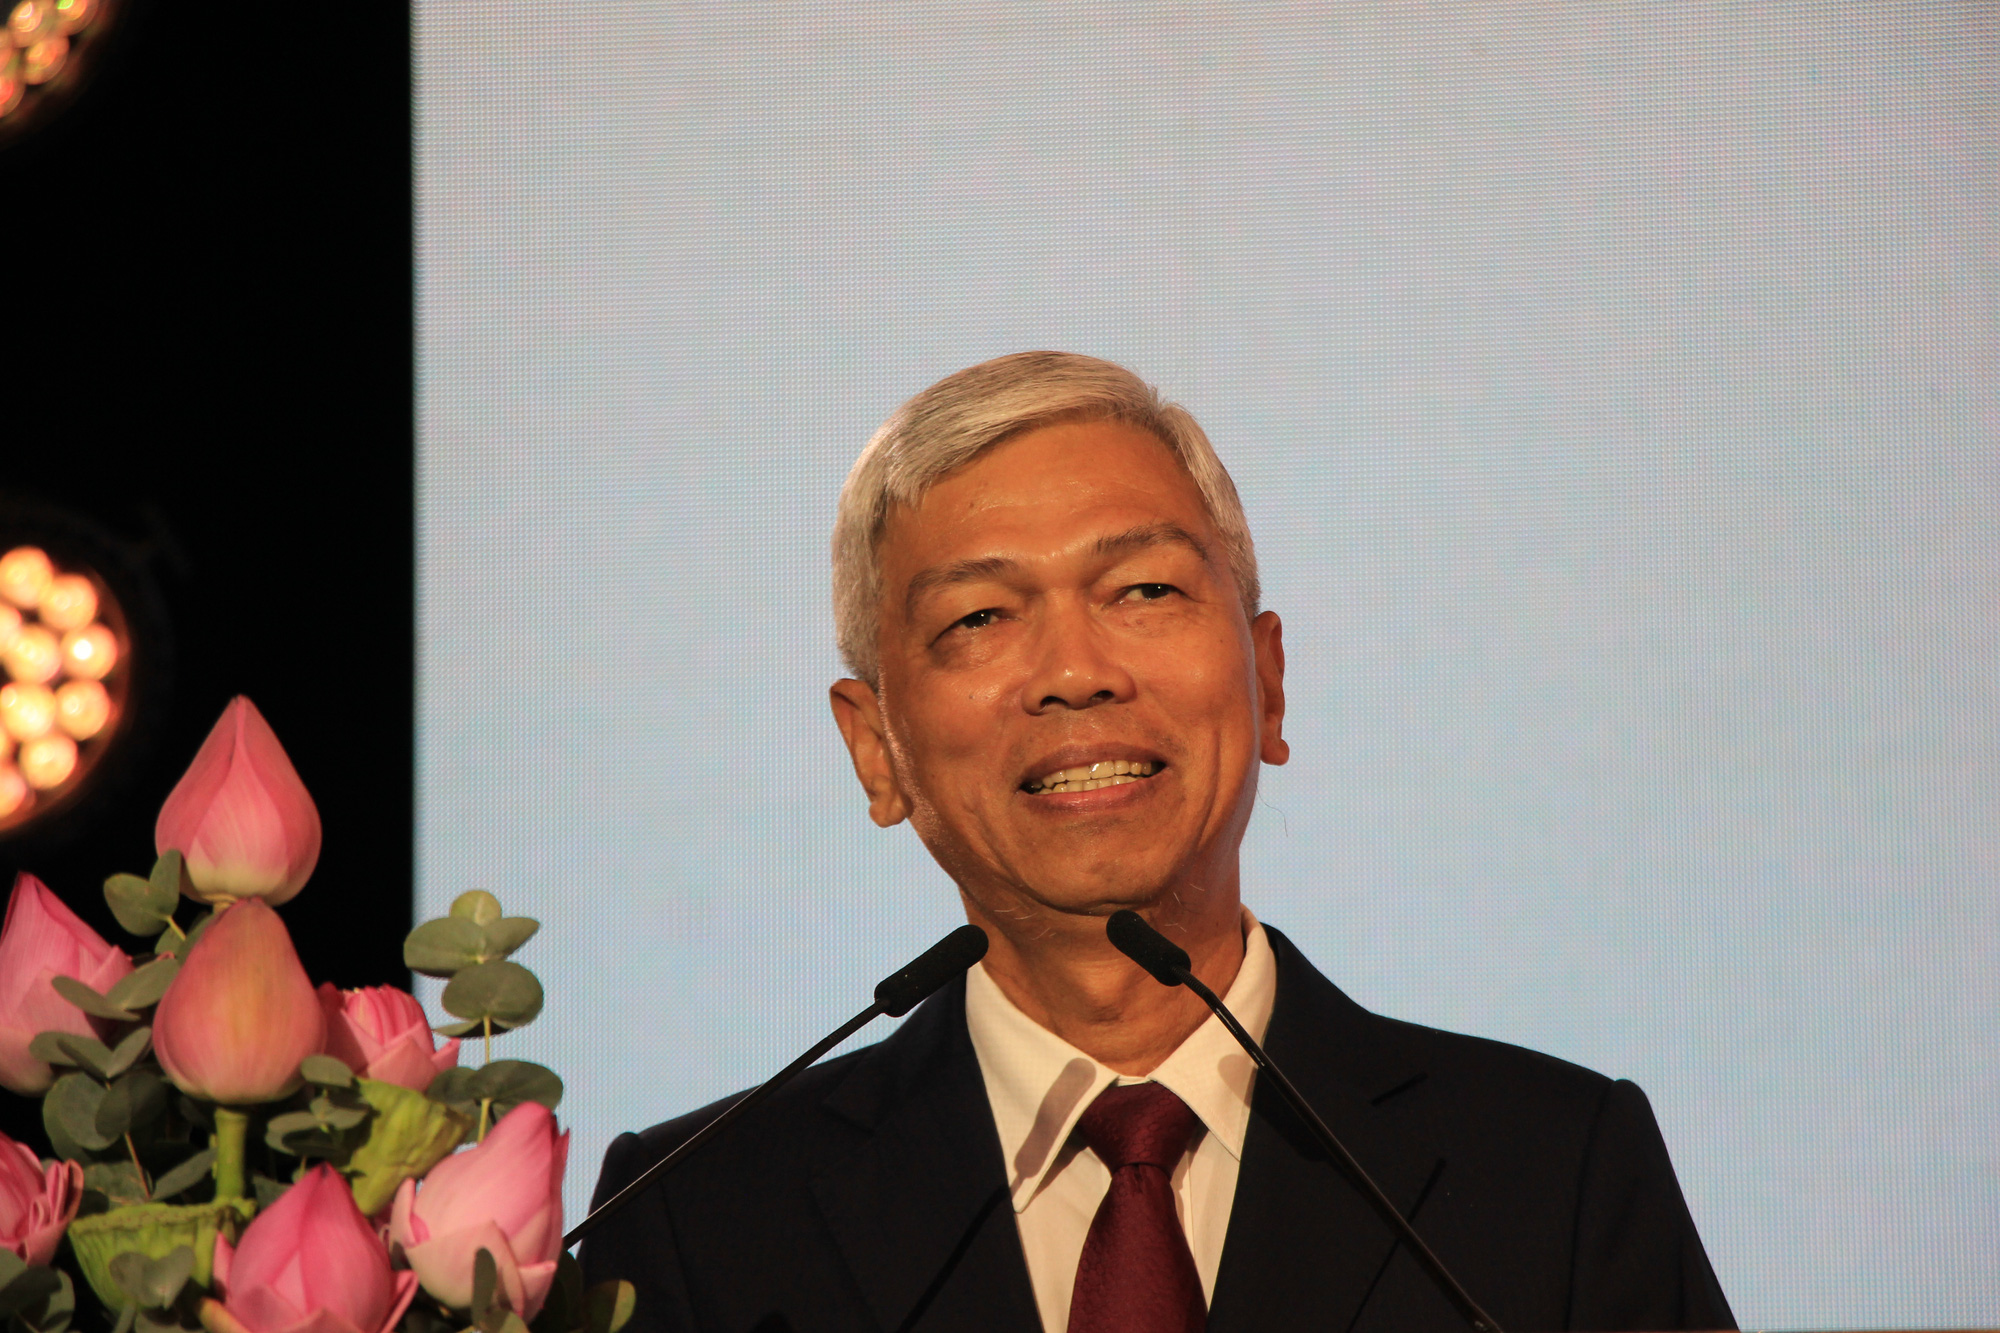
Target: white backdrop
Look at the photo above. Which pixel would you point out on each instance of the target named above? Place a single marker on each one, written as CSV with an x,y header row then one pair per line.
x,y
1612,387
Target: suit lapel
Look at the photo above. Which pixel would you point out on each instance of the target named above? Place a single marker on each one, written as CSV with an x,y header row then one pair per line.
x,y
920,1212
1303,1249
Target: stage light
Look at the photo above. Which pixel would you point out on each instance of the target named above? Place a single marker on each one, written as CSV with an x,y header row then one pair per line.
x,y
47,761
63,651
41,44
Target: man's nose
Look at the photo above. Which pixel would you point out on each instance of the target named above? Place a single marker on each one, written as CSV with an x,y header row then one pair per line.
x,y
1076,665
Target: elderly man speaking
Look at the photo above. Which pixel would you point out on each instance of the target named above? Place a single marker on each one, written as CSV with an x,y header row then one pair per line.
x,y
1047,594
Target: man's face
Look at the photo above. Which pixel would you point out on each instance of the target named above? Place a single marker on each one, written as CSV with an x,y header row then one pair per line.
x,y
1064,602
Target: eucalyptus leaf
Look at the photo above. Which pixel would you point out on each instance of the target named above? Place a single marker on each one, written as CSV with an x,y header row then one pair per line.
x,y
185,1176
72,1103
53,1311
507,934
508,1083
443,947
142,987
28,1288
117,1181
137,904
165,1276
505,992
477,906
12,1266
194,934
129,1051
562,1311
134,1099
327,1071
170,879
608,1306
88,1052
485,1277
457,1029
149,1321
88,1000
128,1270
268,1191
48,1048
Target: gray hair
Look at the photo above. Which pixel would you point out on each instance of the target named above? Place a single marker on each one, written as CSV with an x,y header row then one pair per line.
x,y
963,415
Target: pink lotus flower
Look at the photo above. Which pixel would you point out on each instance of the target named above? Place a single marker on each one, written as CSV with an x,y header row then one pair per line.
x,y
241,818
240,1015
310,1263
35,1204
381,1033
504,1196
43,940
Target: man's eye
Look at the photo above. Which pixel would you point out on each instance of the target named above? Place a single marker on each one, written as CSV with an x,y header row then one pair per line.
x,y
977,620
1150,592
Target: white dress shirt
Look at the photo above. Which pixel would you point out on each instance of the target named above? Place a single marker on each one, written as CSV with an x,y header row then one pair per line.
x,y
1039,1085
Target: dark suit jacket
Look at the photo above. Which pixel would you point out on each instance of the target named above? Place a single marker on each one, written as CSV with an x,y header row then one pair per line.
x,y
870,1194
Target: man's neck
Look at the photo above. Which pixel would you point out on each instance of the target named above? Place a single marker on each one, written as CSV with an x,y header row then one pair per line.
x,y
1065,975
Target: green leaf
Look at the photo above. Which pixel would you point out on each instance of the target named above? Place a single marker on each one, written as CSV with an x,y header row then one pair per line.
x,y
52,1313
28,1287
505,992
337,1115
12,1266
137,903
89,1052
171,880
133,1100
327,1071
128,1271
268,1191
142,987
510,1082
129,1051
443,947
165,1276
116,1181
185,1176
195,932
88,1000
71,1106
608,1306
477,906
485,1277
48,1048
507,934
456,1029
562,1311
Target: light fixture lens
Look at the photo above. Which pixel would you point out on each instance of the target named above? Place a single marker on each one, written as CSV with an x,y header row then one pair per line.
x,y
13,790
89,652
28,712
25,572
82,708
10,627
68,603
47,761
35,656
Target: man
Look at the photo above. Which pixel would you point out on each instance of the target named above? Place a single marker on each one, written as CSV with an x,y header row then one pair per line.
x,y
1047,593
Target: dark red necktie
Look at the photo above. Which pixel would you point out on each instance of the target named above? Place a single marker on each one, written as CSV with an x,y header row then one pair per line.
x,y
1137,1274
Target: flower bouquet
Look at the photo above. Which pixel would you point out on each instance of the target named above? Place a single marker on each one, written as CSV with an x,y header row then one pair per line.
x,y
240,1152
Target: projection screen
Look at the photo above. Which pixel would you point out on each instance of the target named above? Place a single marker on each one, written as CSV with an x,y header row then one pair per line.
x,y
1612,390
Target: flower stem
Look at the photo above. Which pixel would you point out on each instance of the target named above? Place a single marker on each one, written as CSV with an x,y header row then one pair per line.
x,y
144,1183
487,1025
232,1132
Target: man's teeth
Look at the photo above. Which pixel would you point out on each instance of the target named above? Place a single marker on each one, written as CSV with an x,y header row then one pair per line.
x,y
1089,777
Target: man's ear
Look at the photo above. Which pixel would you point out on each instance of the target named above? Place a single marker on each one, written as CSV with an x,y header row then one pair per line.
x,y
858,714
1267,638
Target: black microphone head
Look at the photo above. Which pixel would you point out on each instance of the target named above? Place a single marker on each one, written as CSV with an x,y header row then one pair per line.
x,y
905,990
1137,940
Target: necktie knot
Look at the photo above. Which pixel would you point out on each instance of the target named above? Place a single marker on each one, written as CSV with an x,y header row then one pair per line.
x,y
1138,1124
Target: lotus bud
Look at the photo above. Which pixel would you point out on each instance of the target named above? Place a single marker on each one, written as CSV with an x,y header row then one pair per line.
x,y
240,1015
310,1263
381,1033
42,940
36,1202
505,1197
241,818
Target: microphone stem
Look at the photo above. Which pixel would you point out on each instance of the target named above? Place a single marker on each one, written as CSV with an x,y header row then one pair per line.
x,y
716,1126
1468,1309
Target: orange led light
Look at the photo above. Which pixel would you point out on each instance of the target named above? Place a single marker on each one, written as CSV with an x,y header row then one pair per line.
x,y
82,708
28,712
35,656
47,761
69,602
13,790
90,652
25,572
10,627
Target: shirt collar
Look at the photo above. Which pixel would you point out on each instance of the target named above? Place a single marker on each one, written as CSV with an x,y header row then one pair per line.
x,y
1039,1084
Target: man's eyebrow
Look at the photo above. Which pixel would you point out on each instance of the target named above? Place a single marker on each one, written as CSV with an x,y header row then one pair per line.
x,y
926,581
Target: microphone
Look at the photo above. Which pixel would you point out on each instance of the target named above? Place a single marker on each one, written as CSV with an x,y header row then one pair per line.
x,y
899,993
1168,964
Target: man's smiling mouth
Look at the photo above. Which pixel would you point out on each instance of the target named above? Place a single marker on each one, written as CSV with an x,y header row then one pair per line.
x,y
1089,777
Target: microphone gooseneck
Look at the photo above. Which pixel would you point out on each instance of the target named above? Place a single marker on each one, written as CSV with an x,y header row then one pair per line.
x,y
898,993
1168,964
